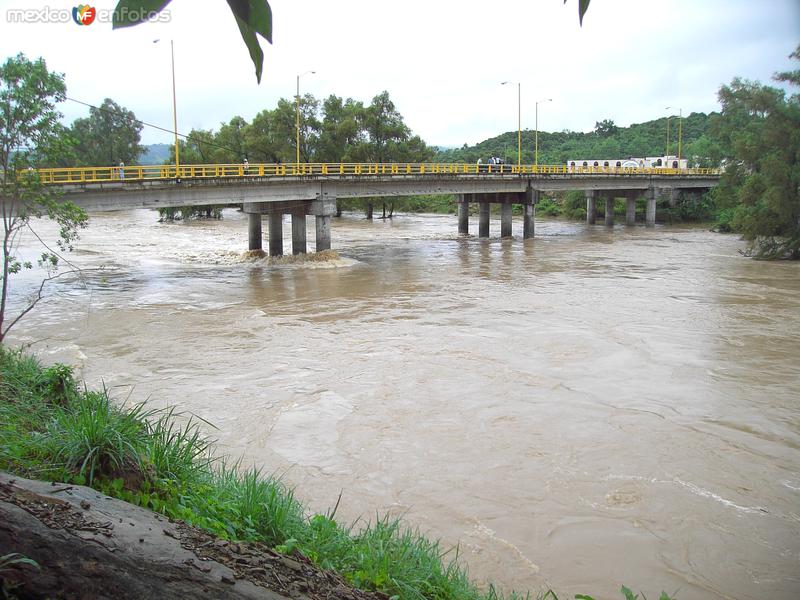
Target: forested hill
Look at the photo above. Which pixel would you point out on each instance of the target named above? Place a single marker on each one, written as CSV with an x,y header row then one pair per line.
x,y
606,141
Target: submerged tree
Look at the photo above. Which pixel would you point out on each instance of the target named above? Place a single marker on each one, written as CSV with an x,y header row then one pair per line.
x,y
29,132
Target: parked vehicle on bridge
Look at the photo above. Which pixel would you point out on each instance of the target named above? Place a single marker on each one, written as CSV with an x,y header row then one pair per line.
x,y
650,162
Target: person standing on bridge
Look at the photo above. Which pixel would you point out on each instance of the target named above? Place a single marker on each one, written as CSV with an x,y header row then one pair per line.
x,y
121,170
246,165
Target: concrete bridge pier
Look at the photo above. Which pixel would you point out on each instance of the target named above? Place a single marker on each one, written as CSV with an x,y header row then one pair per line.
x,y
254,239
298,231
528,221
610,201
323,232
323,208
650,213
463,214
530,201
630,209
276,233
505,220
591,206
484,209
674,194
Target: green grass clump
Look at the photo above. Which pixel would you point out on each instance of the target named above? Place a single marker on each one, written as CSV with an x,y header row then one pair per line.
x,y
52,430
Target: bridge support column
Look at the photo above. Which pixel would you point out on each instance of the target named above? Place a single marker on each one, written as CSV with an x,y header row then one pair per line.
x,y
528,221
463,215
299,232
630,211
276,234
591,206
674,193
650,213
610,200
505,220
323,232
529,214
483,219
254,231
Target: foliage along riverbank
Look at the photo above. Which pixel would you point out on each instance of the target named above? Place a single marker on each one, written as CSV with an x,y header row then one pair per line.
x,y
53,429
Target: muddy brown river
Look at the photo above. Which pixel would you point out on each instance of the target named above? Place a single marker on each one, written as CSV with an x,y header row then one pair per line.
x,y
590,408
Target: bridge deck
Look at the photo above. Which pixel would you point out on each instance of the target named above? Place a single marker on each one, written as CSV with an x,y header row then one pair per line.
x,y
293,170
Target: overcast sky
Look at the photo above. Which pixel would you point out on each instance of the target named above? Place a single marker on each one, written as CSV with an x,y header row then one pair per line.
x,y
442,61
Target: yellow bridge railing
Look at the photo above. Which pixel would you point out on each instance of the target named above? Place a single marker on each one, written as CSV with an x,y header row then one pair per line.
x,y
78,175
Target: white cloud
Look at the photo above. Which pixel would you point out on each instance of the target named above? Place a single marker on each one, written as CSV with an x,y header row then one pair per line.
x,y
442,62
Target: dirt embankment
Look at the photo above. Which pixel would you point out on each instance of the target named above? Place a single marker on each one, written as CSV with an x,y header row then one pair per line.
x,y
91,546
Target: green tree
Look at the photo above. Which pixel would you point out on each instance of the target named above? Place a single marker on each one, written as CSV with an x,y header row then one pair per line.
x,y
109,135
263,140
341,129
29,135
758,132
385,130
605,128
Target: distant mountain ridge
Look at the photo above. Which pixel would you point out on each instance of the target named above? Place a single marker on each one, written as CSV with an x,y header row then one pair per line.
x,y
155,154
605,142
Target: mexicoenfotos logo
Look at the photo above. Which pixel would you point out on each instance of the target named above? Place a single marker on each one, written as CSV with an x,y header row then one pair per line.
x,y
84,14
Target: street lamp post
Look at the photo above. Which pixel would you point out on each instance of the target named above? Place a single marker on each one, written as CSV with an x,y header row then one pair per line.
x,y
174,107
297,112
680,129
536,143
667,153
519,121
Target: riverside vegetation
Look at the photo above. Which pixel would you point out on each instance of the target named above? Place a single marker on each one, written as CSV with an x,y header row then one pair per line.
x,y
52,429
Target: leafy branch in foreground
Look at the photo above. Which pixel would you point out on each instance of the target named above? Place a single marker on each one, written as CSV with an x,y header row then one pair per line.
x,y
29,134
253,17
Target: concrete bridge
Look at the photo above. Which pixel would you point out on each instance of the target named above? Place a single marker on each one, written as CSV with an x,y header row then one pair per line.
x,y
313,188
